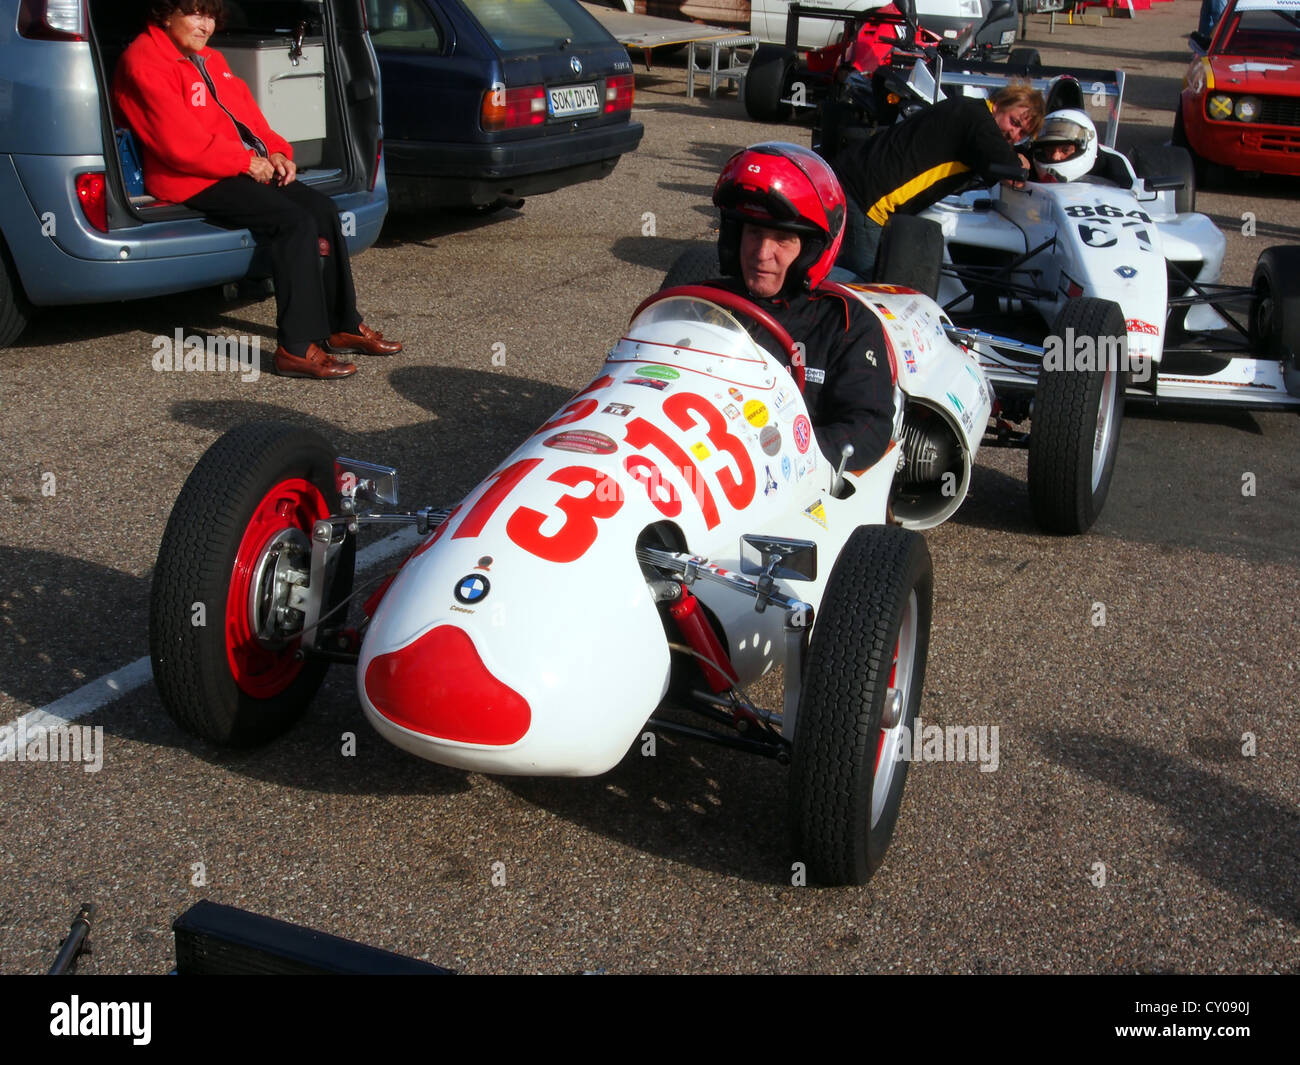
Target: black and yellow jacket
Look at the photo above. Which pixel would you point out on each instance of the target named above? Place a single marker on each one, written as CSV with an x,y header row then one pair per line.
x,y
918,162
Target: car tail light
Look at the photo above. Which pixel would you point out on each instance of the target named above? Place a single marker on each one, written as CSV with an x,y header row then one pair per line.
x,y
52,20
93,194
619,91
512,108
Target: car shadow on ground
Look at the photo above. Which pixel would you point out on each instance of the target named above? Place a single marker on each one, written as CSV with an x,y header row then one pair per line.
x,y
702,806
159,316
407,226
1241,841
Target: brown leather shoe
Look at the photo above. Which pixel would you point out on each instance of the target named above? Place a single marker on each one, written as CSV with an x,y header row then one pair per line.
x,y
317,363
365,341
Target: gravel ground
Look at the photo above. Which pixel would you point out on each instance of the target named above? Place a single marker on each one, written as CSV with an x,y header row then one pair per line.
x,y
1124,829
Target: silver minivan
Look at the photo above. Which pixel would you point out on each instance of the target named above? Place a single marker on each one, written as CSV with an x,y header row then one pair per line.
x,y
75,224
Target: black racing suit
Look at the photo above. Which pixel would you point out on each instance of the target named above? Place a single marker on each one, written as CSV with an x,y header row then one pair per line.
x,y
919,161
848,384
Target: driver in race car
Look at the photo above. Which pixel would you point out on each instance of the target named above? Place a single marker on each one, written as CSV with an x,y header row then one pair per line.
x,y
1066,147
782,223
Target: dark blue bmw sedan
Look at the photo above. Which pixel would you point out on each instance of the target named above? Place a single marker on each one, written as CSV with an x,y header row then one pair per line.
x,y
488,101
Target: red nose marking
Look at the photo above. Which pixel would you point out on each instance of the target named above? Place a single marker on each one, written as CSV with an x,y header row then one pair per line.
x,y
440,687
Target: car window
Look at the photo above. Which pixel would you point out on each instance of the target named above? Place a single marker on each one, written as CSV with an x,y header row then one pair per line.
x,y
403,24
1267,34
536,25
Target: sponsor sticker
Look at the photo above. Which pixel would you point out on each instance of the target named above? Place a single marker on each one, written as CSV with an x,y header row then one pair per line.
x,y
786,468
662,373
770,439
802,434
622,410
735,394
660,385
1126,271
956,403
814,375
700,451
731,411
1136,325
756,413
818,513
771,484
582,441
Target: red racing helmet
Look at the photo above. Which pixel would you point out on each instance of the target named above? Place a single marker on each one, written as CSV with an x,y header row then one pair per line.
x,y
782,186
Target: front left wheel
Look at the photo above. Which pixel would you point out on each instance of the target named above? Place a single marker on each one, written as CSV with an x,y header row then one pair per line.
x,y
226,603
861,692
1078,410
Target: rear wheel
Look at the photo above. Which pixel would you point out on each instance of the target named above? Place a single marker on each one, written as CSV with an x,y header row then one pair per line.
x,y
861,690
1077,415
911,254
767,81
14,308
697,264
1275,312
225,620
1169,162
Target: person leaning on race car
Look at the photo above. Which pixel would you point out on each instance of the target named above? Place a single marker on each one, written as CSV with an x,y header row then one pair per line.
x,y
782,222
1065,148
942,150
206,144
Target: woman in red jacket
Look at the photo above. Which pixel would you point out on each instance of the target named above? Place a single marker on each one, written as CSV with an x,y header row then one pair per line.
x,y
207,145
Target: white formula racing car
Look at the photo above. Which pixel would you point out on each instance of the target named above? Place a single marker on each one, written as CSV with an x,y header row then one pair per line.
x,y
671,535
1113,271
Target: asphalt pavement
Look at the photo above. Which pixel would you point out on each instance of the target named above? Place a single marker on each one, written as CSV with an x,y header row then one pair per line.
x,y
1143,816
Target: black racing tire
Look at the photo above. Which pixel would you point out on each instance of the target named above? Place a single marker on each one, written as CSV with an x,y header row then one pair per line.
x,y
846,773
1275,310
257,483
15,311
694,266
767,80
1078,413
911,254
1165,161
1024,59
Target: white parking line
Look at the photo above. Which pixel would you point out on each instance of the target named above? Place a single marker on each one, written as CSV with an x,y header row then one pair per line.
x,y
103,690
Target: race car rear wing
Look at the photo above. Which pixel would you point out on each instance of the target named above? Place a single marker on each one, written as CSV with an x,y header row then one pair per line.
x,y
1099,88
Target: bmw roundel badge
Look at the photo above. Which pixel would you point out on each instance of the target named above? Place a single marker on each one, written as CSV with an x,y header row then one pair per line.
x,y
473,589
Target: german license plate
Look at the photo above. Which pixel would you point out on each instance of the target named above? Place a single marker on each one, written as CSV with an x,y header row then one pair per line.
x,y
574,100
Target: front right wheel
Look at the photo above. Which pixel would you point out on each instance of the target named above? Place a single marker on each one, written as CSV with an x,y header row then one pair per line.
x,y
861,692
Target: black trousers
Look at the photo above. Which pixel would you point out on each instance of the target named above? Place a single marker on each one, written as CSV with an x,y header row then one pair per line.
x,y
309,257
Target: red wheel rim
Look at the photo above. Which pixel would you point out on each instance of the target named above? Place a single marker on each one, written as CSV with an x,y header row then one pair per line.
x,y
260,671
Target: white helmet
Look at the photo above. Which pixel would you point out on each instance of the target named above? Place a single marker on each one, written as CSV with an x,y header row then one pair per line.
x,y
1060,128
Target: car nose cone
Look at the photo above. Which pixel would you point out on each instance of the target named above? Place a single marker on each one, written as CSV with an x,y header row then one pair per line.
x,y
438,686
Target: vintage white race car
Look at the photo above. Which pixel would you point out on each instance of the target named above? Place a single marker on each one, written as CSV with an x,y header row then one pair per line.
x,y
1114,270
670,536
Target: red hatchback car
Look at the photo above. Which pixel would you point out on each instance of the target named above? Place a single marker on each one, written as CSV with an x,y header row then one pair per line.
x,y
1240,105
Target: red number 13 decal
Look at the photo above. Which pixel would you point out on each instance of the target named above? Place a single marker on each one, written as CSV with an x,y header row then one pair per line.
x,y
581,512
680,407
